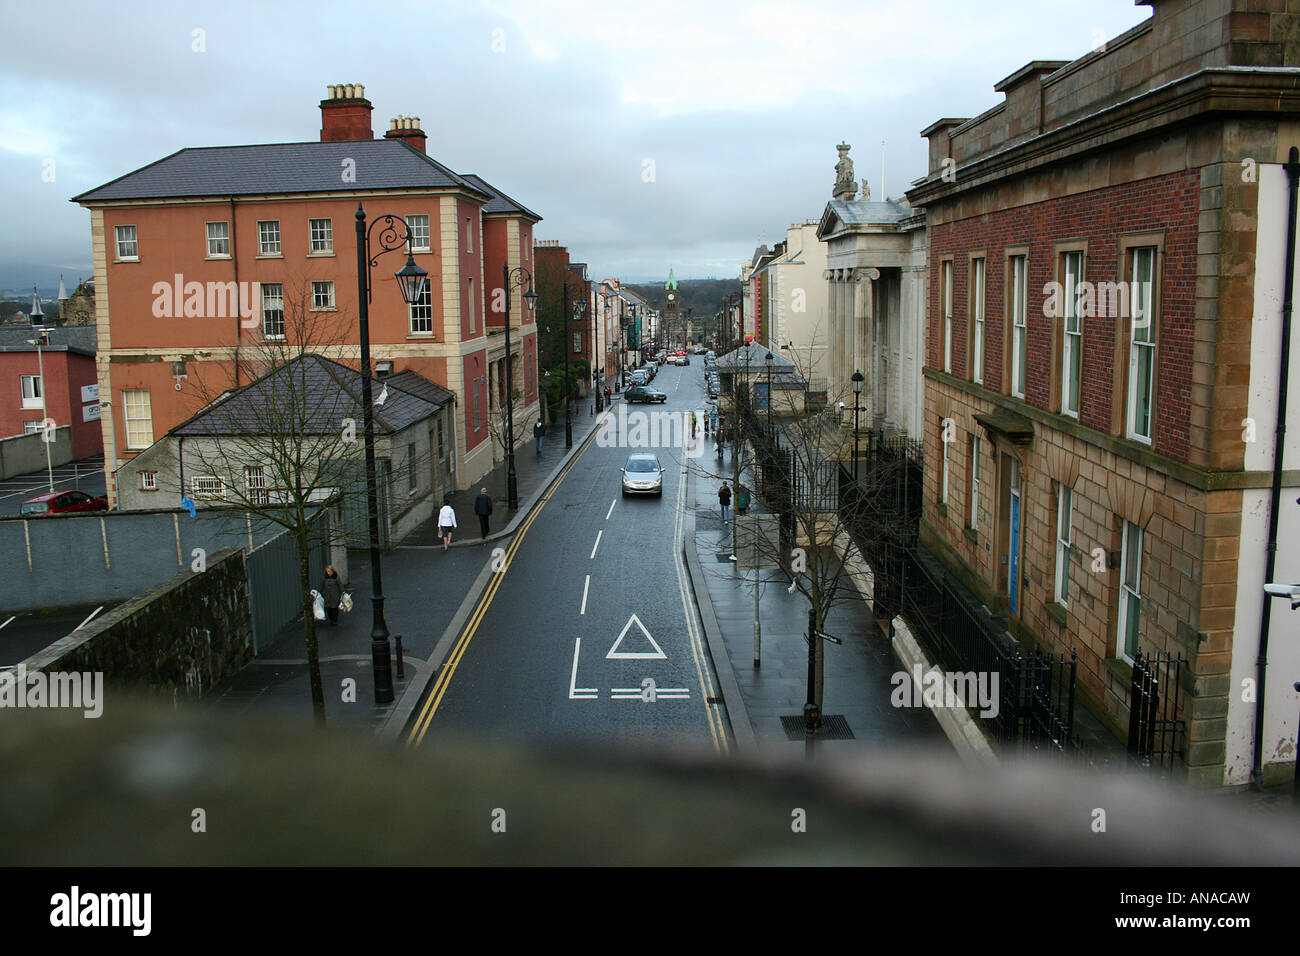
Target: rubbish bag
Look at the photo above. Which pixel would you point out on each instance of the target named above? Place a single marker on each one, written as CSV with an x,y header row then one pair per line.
x,y
345,601
317,605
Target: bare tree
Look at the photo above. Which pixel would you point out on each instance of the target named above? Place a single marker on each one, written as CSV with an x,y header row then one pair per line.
x,y
795,454
290,441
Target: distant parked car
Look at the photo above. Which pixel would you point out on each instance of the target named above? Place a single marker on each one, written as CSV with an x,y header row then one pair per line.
x,y
641,393
62,502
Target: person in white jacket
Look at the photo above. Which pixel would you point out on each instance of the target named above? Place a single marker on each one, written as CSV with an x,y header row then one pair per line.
x,y
446,522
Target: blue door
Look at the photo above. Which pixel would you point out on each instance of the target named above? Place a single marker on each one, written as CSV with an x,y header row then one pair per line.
x,y
1013,545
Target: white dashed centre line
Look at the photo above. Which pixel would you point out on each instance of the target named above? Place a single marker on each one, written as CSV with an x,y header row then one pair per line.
x,y
611,509
585,586
597,544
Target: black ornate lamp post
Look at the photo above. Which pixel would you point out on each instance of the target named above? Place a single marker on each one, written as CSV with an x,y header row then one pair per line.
x,y
512,279
857,405
768,362
412,281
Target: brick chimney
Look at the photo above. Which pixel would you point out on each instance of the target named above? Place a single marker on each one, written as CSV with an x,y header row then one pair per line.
x,y
345,114
407,129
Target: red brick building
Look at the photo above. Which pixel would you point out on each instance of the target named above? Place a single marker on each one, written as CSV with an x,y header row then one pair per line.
x,y
68,392
201,256
1106,255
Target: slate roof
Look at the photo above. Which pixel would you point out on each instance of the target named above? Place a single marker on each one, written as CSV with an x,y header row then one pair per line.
x,y
79,338
735,359
332,392
281,168
856,213
500,202
416,384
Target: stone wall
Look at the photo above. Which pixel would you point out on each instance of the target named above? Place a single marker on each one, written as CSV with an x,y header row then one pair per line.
x,y
175,640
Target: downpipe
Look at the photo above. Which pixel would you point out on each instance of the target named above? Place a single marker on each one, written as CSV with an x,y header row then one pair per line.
x,y
1292,168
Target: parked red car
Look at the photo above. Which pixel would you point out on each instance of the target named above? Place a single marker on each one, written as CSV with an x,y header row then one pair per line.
x,y
62,502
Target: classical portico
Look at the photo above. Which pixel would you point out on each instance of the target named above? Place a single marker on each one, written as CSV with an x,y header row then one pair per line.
x,y
876,295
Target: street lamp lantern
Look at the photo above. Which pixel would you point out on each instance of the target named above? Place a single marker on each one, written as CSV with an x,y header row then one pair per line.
x,y
530,299
768,362
857,378
412,280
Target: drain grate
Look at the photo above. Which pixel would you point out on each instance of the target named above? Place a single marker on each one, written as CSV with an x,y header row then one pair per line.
x,y
834,727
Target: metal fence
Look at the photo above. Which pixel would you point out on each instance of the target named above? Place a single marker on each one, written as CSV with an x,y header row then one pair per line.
x,y
1156,727
274,586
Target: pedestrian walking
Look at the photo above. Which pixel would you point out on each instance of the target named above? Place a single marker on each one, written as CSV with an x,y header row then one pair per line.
x,y
331,589
483,508
539,430
446,524
742,500
724,499
692,425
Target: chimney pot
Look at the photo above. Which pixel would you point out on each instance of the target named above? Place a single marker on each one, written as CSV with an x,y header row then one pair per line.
x,y
345,114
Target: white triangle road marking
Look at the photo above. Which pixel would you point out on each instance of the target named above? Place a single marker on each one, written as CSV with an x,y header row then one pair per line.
x,y
616,655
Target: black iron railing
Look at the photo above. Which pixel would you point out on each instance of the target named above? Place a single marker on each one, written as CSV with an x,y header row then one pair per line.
x,y
1156,727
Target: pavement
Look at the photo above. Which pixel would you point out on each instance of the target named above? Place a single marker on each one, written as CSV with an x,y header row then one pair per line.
x,y
424,589
857,674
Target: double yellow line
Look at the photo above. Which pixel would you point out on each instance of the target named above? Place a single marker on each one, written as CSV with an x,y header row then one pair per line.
x,y
431,703
711,711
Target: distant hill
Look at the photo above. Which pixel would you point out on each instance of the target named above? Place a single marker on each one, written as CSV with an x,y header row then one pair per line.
x,y
703,295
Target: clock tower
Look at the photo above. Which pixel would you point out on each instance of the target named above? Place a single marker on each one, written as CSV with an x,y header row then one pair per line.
x,y
672,307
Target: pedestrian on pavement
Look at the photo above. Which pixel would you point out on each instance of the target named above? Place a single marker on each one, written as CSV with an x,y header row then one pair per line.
x,y
446,524
742,500
539,430
483,508
724,499
607,395
692,425
331,589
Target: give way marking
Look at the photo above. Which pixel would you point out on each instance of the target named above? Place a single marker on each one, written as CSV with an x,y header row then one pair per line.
x,y
616,655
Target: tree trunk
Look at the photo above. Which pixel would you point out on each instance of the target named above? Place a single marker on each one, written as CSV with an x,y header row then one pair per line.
x,y
309,627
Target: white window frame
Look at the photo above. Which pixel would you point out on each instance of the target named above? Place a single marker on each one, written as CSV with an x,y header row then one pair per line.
x,y
124,237
272,310
322,295
420,314
148,481
577,343
212,487
256,489
419,241
33,391
1071,336
469,236
978,270
975,483
268,237
30,428
1130,595
130,402
218,239
1019,324
947,315
1064,538
320,237
1142,309
477,419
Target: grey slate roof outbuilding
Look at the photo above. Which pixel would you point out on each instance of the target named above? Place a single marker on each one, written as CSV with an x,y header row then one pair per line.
x,y
278,168
331,391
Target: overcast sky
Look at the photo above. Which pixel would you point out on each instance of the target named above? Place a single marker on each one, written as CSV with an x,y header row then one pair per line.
x,y
564,104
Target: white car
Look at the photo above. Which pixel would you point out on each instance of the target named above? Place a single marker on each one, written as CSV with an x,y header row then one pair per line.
x,y
642,475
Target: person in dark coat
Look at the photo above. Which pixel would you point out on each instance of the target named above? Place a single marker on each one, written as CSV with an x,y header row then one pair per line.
x,y
724,499
483,508
538,431
331,589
